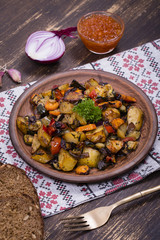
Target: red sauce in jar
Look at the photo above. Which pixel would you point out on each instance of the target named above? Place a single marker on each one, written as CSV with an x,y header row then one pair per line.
x,y
99,32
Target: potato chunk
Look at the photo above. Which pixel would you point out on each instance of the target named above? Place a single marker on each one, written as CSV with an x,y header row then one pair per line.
x,y
110,114
135,116
92,160
66,107
74,137
97,135
65,161
114,145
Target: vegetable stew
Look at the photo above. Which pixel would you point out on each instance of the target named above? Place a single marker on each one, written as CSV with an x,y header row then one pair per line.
x,y
77,127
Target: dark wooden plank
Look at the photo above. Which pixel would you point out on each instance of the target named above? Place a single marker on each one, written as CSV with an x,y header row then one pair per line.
x,y
20,18
134,221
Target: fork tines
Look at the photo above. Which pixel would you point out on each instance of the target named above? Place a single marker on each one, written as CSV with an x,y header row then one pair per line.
x,y
75,224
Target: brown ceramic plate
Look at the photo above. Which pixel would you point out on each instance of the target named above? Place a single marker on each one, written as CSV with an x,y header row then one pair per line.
x,y
22,107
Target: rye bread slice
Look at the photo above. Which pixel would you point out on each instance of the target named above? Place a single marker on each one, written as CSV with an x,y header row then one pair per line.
x,y
13,180
20,218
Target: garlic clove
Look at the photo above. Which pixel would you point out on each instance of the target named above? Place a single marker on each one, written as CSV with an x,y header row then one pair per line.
x,y
14,74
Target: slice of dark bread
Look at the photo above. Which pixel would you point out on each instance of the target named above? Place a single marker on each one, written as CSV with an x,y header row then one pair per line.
x,y
13,180
20,218
20,213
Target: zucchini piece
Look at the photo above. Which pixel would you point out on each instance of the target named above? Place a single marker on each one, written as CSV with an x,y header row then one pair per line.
x,y
65,161
35,144
97,135
41,156
64,87
47,94
46,121
91,83
66,107
80,119
44,138
28,139
22,125
132,145
35,126
74,137
135,134
121,131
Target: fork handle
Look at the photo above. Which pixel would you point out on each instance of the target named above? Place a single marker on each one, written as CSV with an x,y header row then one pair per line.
x,y
137,195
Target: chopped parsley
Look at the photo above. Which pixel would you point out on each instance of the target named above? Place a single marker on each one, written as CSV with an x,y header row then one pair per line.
x,y
88,110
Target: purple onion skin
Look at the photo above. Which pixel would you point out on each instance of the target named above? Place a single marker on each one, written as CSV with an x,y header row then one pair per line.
x,y
64,32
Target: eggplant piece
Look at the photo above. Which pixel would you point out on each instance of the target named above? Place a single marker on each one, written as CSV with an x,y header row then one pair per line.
x,y
35,98
41,109
72,96
102,164
77,154
76,84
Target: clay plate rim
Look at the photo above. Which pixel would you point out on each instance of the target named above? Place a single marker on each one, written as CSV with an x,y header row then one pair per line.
x,y
148,134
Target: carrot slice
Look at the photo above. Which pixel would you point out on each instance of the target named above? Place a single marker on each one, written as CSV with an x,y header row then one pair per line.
x,y
50,106
117,122
55,112
128,98
88,127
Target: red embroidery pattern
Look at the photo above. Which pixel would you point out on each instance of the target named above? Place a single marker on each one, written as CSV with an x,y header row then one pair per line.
x,y
139,65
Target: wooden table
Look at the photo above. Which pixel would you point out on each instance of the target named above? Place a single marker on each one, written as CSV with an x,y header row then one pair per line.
x,y
19,18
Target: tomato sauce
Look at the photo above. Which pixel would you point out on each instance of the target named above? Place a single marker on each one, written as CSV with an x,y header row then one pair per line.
x,y
100,33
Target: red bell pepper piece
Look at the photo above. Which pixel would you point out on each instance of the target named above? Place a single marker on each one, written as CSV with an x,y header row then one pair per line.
x,y
55,145
93,94
109,129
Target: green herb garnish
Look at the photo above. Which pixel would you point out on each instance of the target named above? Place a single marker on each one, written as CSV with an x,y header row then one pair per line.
x,y
88,110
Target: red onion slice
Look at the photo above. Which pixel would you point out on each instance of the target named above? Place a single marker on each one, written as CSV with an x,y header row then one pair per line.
x,y
44,47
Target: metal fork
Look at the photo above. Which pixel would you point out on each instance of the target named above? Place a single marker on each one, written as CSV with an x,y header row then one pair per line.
x,y
99,216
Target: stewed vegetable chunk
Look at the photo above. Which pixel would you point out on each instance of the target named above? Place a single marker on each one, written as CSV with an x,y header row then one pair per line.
x,y
77,127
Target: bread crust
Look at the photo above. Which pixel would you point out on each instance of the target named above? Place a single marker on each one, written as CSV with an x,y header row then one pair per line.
x,y
19,199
